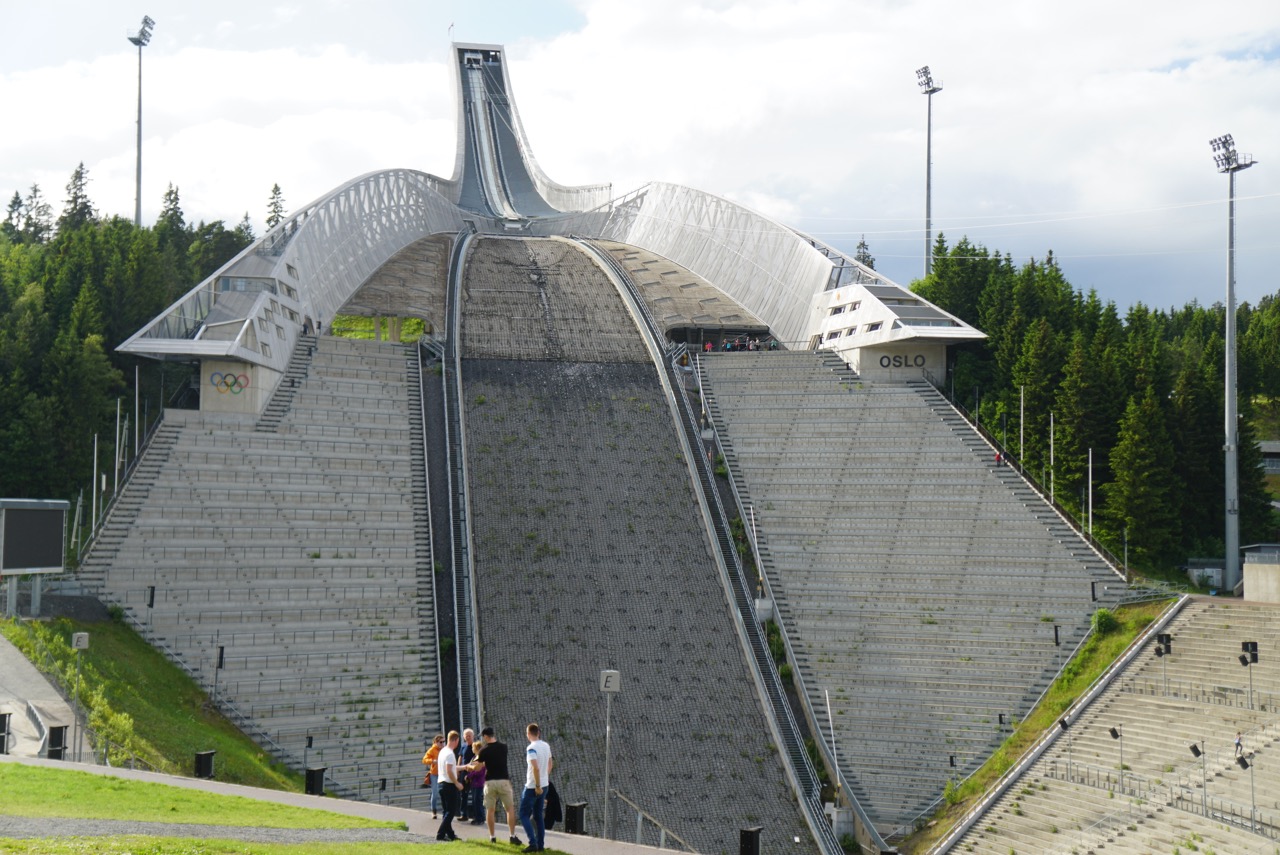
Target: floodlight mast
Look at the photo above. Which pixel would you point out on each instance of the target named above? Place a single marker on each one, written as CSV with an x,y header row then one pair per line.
x,y
927,88
141,39
1230,161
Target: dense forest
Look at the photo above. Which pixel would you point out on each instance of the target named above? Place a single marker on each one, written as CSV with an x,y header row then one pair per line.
x,y
71,290
1144,391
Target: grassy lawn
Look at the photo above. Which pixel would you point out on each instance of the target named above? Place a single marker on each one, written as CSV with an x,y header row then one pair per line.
x,y
190,846
35,791
143,701
355,326
1097,654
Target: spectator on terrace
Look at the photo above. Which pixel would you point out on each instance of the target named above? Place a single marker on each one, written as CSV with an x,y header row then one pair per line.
x,y
1239,745
465,755
433,771
476,779
450,786
537,778
492,758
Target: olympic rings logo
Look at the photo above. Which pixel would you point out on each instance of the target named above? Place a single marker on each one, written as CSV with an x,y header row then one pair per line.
x,y
224,383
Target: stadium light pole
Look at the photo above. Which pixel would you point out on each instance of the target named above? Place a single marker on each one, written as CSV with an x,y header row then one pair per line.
x,y
1248,657
141,39
927,88
1230,161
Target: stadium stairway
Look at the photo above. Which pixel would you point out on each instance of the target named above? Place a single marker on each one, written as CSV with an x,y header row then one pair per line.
x,y
296,558
921,587
1076,796
124,512
294,376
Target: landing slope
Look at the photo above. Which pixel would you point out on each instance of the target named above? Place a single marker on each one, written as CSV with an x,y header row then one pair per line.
x,y
590,555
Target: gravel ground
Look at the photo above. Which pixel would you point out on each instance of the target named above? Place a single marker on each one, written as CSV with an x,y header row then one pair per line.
x,y
28,827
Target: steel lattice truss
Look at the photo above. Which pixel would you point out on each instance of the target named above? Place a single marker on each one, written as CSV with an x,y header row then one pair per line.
x,y
306,267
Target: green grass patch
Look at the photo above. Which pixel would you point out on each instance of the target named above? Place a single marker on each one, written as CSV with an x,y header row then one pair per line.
x,y
1080,673
37,791
356,326
140,701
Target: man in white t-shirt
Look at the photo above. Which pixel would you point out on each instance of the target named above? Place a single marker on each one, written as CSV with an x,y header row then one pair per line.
x,y
534,800
450,786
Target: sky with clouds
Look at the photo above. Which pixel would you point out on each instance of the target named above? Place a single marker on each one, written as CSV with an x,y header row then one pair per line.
x,y
1080,127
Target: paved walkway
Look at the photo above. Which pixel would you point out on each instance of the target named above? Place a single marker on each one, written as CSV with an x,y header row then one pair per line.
x,y
421,827
21,684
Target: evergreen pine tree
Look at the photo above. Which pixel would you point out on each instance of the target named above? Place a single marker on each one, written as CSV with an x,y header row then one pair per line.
x,y
78,209
1143,497
12,225
171,226
862,254
275,207
244,230
37,217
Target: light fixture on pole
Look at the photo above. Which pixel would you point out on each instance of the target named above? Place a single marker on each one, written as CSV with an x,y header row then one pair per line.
x,y
1198,750
1066,728
1253,795
141,39
1231,162
928,87
1249,656
1117,732
1164,647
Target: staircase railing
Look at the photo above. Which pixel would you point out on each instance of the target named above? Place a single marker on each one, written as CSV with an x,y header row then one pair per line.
x,y
762,561
466,645
778,710
1015,462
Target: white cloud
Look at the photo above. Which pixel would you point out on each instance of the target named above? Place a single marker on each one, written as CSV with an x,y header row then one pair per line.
x,y
1078,127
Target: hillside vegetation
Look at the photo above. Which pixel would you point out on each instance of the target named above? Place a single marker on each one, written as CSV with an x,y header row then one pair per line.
x,y
142,707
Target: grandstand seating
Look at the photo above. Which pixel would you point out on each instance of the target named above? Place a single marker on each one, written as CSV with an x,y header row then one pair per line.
x,y
1159,805
590,554
920,584
294,551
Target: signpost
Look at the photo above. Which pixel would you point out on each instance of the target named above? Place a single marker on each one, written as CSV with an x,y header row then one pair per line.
x,y
610,684
79,641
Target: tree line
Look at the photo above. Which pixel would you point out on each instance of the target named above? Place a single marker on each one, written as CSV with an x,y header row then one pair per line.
x,y
71,290
1143,391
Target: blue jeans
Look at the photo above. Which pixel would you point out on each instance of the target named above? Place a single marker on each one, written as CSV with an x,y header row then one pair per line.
x,y
450,801
435,793
532,806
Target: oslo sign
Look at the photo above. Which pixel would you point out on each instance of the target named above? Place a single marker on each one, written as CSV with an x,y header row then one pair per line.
x,y
899,360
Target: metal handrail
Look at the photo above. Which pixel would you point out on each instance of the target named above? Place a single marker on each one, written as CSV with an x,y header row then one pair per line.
x,y
664,832
748,625
1104,553
419,351
126,476
244,722
1046,739
465,625
827,751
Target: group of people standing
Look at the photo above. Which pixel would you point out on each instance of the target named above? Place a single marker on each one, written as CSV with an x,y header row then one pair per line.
x,y
729,345
470,778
